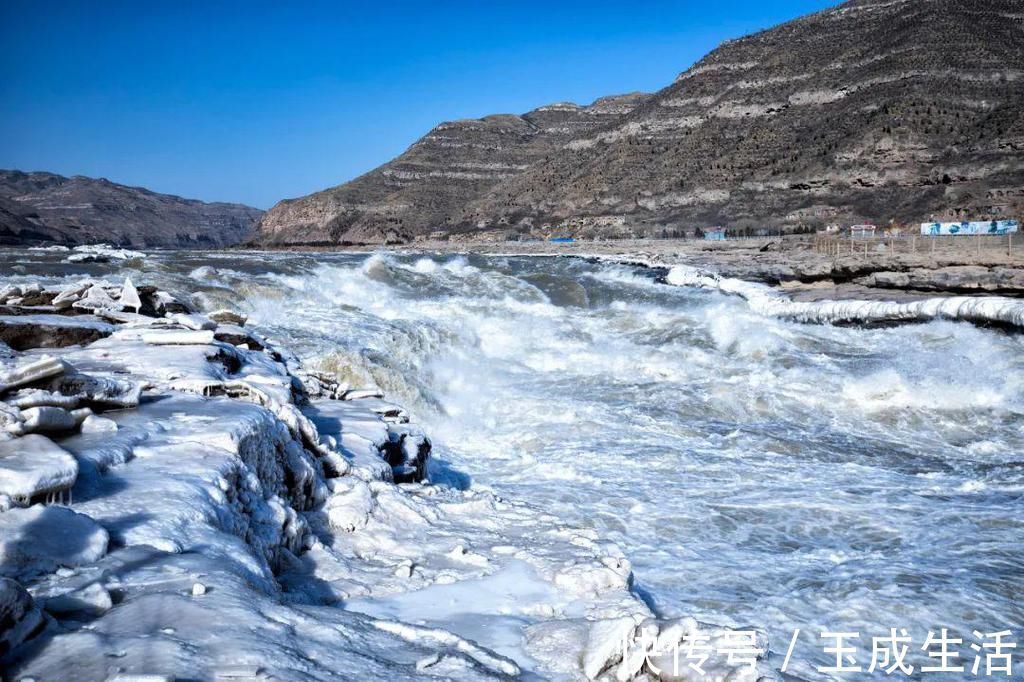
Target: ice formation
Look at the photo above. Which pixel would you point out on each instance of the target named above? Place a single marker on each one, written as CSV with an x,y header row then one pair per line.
x,y
767,301
178,498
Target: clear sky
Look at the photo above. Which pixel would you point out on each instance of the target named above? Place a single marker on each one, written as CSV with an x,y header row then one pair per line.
x,y
258,101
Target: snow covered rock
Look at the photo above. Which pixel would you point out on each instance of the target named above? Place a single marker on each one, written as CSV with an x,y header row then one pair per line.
x,y
51,331
41,539
193,321
38,397
96,298
47,420
98,392
8,292
350,506
224,316
362,393
407,450
34,465
40,369
160,303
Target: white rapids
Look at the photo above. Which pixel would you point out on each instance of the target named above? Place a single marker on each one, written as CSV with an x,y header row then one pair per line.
x,y
755,471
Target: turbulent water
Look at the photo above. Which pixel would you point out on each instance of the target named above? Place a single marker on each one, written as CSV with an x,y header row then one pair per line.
x,y
757,472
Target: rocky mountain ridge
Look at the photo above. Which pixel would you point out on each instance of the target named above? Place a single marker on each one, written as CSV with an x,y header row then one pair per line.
x,y
424,189
43,207
863,112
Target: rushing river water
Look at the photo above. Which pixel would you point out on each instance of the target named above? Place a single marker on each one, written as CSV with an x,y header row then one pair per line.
x,y
755,471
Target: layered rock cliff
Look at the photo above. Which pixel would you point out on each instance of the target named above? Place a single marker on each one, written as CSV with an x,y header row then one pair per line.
x,y
44,207
426,188
873,110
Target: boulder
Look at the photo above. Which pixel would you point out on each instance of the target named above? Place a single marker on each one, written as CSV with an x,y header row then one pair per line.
x,y
20,618
228,317
50,331
98,392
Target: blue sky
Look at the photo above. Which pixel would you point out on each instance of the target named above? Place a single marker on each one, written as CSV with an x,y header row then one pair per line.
x,y
258,101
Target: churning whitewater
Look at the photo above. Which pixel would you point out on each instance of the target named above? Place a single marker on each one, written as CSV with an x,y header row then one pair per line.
x,y
756,471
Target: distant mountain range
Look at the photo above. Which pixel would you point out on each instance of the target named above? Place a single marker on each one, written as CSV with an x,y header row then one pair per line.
x,y
48,208
874,110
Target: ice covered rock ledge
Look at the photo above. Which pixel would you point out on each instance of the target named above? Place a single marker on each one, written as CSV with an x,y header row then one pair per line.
x,y
181,500
767,301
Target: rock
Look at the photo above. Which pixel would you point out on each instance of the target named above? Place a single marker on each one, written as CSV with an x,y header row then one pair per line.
x,y
34,465
51,331
193,321
8,292
407,451
605,644
98,392
42,538
160,303
43,368
237,336
228,317
20,618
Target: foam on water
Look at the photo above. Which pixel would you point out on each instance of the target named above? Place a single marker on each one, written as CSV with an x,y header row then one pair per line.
x,y
756,471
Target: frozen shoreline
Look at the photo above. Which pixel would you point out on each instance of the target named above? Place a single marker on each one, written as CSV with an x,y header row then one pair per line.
x,y
801,289
227,511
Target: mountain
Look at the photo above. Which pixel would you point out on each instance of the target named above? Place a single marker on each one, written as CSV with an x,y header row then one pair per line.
x,y
44,207
426,187
873,110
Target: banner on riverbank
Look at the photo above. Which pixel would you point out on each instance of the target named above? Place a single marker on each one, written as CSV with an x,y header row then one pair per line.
x,y
970,227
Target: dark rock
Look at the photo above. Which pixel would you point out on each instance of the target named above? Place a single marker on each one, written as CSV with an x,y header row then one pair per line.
x,y
22,333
